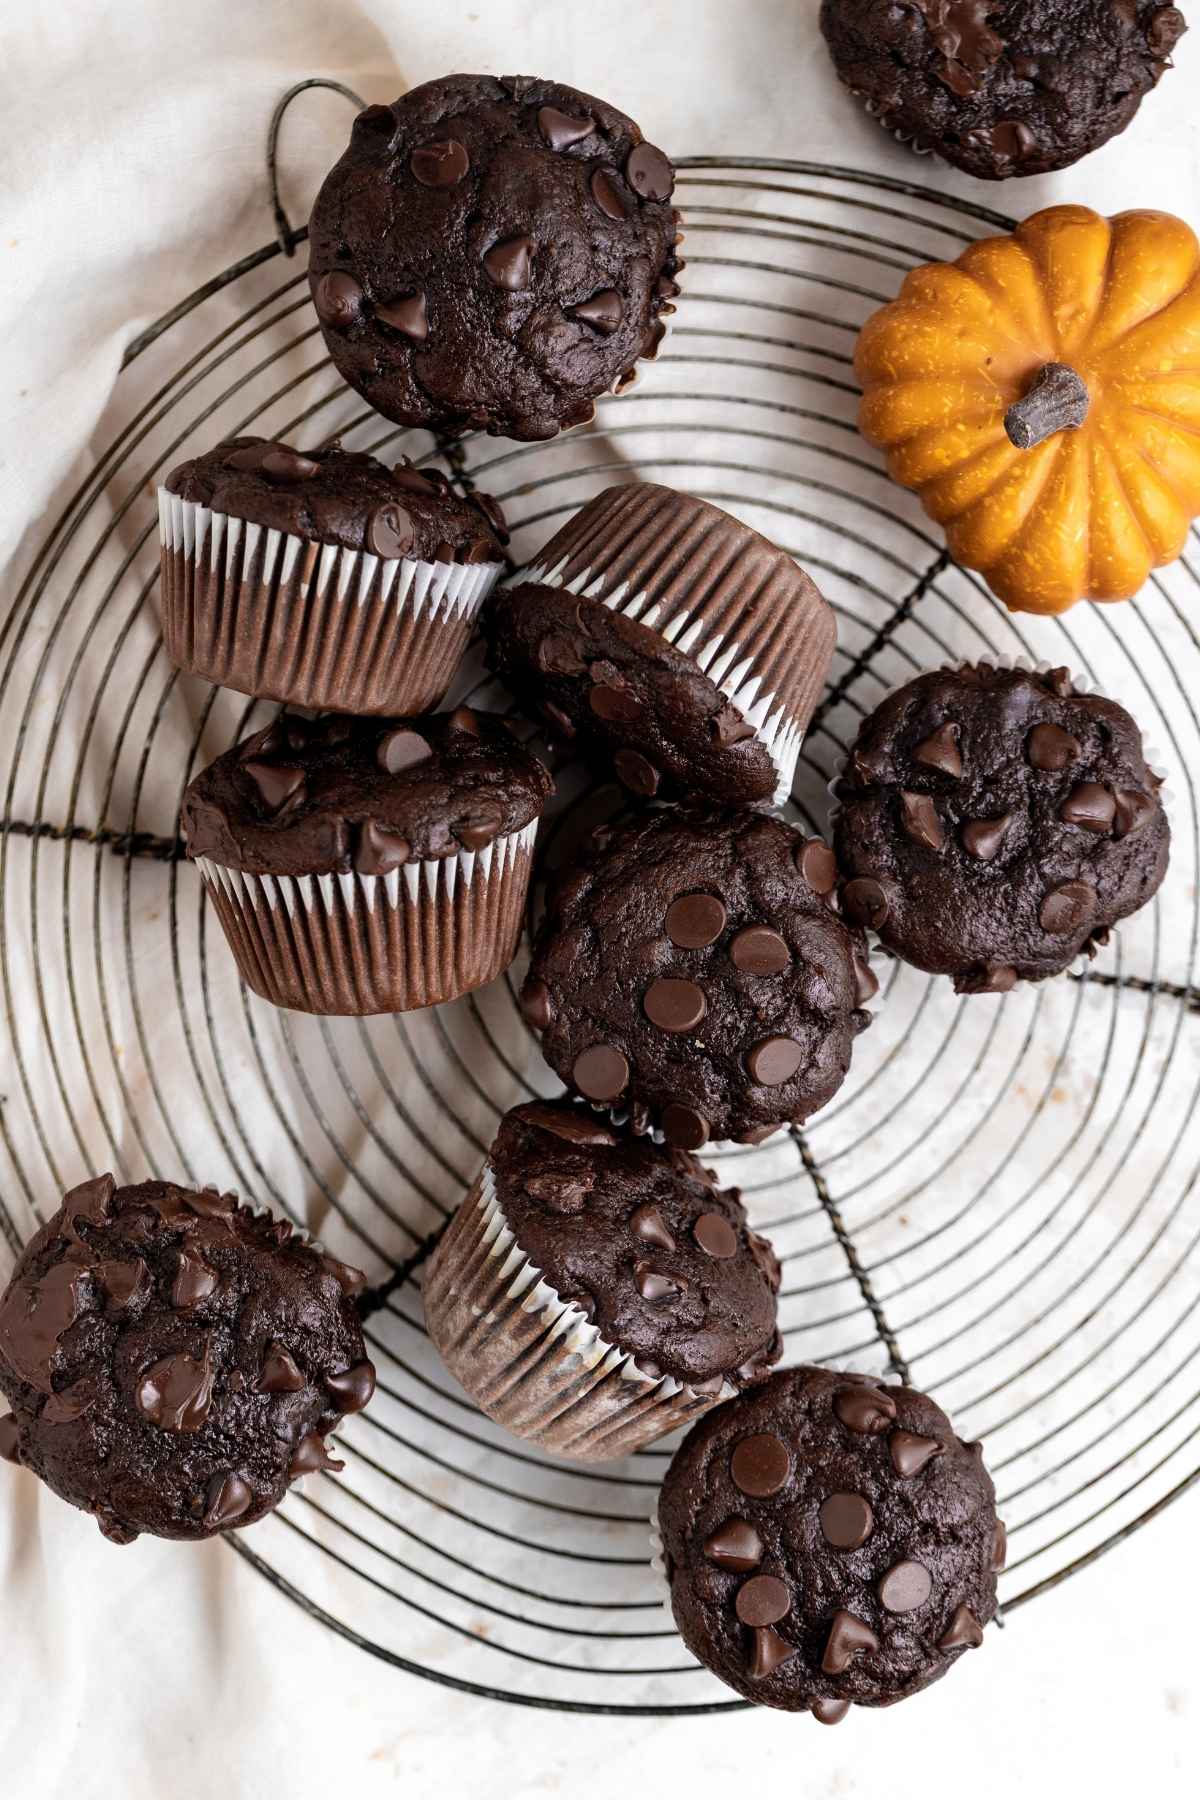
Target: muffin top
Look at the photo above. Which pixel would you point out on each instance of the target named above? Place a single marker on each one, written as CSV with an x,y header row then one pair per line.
x,y
492,253
344,497
174,1360
642,1241
693,973
338,794
1003,87
829,1541
994,823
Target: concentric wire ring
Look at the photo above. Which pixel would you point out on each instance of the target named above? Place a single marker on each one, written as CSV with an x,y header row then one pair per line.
x,y
1000,1201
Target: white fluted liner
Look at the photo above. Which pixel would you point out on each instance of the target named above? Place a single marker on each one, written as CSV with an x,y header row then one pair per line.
x,y
531,1360
271,614
354,944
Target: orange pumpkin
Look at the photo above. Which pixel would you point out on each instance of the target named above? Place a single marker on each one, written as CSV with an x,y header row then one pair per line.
x,y
1042,396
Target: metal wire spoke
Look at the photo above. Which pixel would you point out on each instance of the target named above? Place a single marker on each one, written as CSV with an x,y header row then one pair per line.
x,y
1001,1203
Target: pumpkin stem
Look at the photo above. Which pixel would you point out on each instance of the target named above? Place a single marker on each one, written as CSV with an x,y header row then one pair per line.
x,y
1057,400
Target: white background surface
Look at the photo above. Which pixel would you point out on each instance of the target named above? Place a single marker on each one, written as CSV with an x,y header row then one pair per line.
x,y
131,169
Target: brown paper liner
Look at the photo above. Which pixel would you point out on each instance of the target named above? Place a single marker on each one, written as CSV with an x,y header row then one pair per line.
x,y
278,617
530,1360
357,944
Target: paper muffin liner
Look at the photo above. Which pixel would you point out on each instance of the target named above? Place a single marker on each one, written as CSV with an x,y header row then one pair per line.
x,y
355,944
1082,685
530,1359
282,618
714,590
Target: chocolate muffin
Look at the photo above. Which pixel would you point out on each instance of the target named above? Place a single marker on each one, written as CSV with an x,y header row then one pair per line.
x,y
829,1542
594,1292
174,1360
994,823
682,650
368,865
693,974
1002,87
493,253
322,577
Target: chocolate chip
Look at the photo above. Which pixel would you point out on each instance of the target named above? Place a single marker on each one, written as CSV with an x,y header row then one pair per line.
x,y
657,1285
865,902
536,1005
1050,748
637,772
601,1072
380,850
684,1127
230,1498
816,863
735,1546
940,751
280,1372
279,464
607,195
338,299
509,264
866,982
352,1388
760,1465
649,173
123,1282
603,312
989,978
1068,908
715,1236
757,950
615,705
492,511
440,165
175,1393
561,1193
352,1281
846,1521
69,1404
407,315
558,654
465,719
919,817
310,1455
729,727
829,1712
905,1587
763,1600
390,531
247,456
649,1224
999,1546
10,1438
774,1060
674,1005
770,1653
1132,810
561,129
864,1408
1090,806
911,1452
849,1637
380,121
695,920
194,1281
963,1632
1060,682
402,749
276,783
982,838
557,720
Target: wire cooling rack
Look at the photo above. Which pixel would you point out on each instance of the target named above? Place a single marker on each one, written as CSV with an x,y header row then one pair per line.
x,y
999,1204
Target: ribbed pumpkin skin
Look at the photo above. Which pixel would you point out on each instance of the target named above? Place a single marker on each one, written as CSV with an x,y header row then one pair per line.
x,y
1088,513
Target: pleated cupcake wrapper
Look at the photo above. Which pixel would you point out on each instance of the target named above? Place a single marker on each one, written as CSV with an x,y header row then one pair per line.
x,y
277,616
1082,685
751,645
531,1360
355,944
902,137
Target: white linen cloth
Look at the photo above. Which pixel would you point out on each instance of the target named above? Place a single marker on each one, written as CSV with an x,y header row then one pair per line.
x,y
131,169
